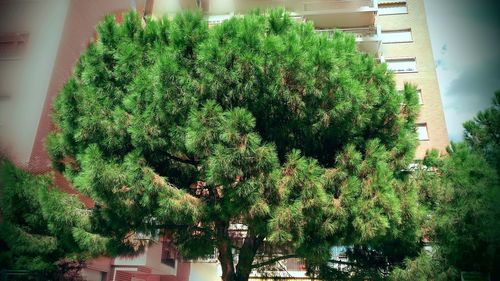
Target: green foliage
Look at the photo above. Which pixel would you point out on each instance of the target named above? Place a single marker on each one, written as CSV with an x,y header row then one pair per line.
x,y
460,193
258,121
467,216
39,223
428,266
483,133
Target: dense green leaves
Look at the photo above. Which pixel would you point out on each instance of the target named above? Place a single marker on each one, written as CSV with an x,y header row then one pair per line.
x,y
466,219
460,192
483,132
40,224
258,121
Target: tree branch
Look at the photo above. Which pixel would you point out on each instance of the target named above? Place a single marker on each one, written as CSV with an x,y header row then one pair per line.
x,y
274,260
182,160
182,226
247,254
285,257
225,254
344,262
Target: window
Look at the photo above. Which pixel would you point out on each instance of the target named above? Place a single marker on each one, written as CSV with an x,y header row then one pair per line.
x,y
422,132
420,98
168,253
12,45
104,276
401,65
392,8
396,36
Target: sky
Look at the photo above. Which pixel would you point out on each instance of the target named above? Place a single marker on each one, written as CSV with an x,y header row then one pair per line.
x,y
465,37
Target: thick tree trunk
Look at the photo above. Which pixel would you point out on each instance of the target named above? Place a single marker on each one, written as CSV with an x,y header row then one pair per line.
x,y
246,257
225,254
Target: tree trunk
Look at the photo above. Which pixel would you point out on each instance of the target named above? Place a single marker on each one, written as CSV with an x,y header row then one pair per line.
x,y
246,257
225,254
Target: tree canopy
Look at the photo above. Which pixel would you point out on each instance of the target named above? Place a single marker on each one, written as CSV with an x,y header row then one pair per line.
x,y
258,121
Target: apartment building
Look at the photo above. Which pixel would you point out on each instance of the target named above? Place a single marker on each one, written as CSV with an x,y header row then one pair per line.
x,y
41,40
406,48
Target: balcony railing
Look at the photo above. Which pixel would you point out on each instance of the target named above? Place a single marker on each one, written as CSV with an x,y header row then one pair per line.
x,y
344,5
218,19
371,33
310,5
369,39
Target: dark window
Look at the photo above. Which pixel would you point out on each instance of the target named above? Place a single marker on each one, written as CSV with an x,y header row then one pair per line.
x,y
392,8
168,254
12,45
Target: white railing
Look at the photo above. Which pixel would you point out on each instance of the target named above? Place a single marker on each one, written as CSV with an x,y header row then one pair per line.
x,y
369,39
218,19
339,5
371,33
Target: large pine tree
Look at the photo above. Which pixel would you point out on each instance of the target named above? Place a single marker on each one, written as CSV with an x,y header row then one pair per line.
x,y
259,121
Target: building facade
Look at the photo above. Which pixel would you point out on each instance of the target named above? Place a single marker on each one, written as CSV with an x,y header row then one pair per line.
x,y
41,40
406,48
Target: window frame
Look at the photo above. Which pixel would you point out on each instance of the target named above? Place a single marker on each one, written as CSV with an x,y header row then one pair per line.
x,y
381,5
13,45
394,31
387,60
104,276
422,125
168,254
420,97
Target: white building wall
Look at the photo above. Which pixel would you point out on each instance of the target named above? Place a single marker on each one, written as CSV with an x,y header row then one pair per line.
x,y
28,76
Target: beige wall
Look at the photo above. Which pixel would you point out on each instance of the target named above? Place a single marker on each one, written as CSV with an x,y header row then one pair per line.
x,y
425,78
154,261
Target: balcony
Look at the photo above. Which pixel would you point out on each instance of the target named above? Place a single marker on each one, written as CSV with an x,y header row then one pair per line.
x,y
369,38
324,13
339,14
218,19
243,6
171,7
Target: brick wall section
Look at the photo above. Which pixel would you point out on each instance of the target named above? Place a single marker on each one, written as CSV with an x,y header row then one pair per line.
x,y
432,110
79,30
